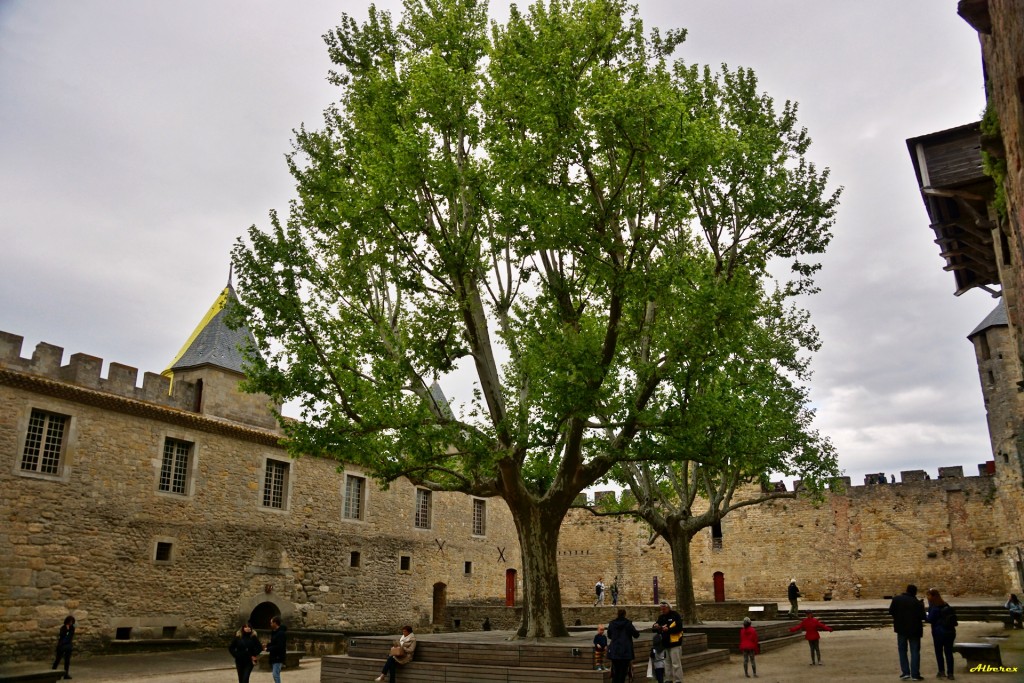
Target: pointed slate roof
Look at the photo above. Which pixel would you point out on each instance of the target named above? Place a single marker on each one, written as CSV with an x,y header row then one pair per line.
x,y
213,342
997,318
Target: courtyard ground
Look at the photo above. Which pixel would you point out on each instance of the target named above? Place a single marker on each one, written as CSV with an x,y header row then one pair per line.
x,y
847,656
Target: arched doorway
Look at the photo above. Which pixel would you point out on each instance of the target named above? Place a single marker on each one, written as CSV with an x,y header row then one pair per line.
x,y
440,603
510,588
261,614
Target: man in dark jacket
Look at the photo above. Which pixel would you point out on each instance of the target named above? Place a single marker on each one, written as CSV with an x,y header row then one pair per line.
x,y
794,593
670,626
908,623
278,647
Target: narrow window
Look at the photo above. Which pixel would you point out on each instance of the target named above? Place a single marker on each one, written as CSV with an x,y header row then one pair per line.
x,y
354,492
44,442
175,466
163,552
422,509
275,484
354,559
469,567
1004,247
479,517
716,536
404,561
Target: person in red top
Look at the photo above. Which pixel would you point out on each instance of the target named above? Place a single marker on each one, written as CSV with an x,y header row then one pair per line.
x,y
749,646
811,626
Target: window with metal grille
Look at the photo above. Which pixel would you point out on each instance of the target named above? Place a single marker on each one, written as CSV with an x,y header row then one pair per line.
x,y
44,442
163,552
479,517
174,469
354,488
422,509
275,484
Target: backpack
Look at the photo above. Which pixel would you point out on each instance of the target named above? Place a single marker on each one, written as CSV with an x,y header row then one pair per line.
x,y
947,616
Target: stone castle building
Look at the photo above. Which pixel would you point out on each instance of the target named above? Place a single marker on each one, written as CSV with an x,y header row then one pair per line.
x,y
169,511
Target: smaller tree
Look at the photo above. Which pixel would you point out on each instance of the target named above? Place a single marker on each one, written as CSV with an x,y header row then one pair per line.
x,y
739,422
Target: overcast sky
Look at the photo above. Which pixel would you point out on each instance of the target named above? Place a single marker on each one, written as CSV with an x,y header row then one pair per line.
x,y
139,139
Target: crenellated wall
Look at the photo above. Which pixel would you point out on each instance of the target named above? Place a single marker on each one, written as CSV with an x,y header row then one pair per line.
x,y
84,370
85,539
865,541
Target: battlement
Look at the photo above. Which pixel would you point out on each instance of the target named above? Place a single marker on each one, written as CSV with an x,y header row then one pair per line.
x,y
85,371
840,485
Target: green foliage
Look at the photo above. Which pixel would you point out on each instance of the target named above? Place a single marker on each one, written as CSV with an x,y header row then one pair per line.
x,y
550,206
994,166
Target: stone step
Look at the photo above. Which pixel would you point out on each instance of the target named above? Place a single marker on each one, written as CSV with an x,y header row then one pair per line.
x,y
346,669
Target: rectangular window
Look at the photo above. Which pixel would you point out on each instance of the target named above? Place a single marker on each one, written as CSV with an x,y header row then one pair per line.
x,y
44,442
716,536
468,567
275,484
163,552
355,488
354,559
479,517
174,469
404,562
422,509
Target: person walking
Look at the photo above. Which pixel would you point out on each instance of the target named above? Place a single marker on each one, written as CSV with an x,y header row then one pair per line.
x,y
749,646
794,594
599,592
908,623
277,648
621,633
615,591
401,654
245,647
64,646
670,625
812,628
600,648
942,618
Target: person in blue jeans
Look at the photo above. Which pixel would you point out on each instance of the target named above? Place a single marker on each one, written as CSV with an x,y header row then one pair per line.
x,y
908,623
942,617
277,648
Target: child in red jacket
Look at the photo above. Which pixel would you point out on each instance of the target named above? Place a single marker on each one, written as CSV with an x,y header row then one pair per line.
x,y
811,626
749,646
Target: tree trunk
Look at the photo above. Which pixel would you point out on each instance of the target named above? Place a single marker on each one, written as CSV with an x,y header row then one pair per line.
x,y
679,541
538,526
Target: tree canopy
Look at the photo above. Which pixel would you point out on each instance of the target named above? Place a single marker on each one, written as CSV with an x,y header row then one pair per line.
x,y
541,217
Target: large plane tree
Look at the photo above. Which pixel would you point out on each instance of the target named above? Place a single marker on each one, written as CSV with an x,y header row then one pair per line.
x,y
503,209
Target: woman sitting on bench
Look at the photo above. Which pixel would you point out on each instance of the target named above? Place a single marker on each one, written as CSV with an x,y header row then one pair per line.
x,y
401,653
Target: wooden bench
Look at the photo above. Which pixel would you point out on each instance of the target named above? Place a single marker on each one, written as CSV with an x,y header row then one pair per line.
x,y
31,676
979,653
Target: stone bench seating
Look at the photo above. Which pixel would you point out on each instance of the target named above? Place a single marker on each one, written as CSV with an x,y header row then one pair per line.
x,y
491,658
979,653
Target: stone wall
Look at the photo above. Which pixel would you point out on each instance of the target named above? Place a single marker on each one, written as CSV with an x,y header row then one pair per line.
x,y
869,542
84,539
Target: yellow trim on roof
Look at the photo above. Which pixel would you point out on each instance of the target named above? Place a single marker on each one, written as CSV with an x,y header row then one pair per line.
x,y
216,308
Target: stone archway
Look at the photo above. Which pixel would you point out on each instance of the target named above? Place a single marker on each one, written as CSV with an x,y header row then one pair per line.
x,y
440,603
261,614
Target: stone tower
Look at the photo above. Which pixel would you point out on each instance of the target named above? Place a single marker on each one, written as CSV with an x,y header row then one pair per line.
x,y
1000,376
213,359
